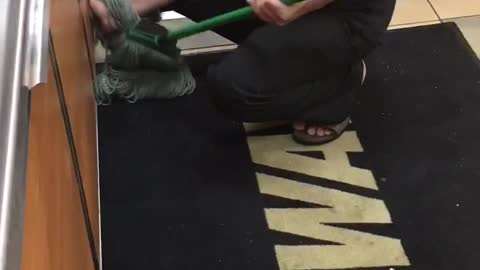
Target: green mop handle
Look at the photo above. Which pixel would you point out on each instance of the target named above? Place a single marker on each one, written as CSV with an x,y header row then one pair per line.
x,y
208,24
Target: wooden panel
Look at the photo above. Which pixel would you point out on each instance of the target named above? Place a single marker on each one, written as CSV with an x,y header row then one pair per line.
x,y
71,44
55,236
88,27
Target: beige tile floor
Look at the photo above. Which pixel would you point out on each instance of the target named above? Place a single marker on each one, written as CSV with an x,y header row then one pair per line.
x,y
202,43
470,27
466,13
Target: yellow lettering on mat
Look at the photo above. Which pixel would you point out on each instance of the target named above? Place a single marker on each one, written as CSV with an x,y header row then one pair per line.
x,y
355,249
275,151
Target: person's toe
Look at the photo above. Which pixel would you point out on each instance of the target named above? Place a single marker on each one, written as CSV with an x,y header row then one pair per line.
x,y
320,132
299,126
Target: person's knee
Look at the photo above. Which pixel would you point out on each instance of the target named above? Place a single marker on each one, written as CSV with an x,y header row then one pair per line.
x,y
239,88
226,96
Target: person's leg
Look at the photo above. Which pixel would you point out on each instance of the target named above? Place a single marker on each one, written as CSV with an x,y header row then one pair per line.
x,y
307,71
372,25
278,73
313,128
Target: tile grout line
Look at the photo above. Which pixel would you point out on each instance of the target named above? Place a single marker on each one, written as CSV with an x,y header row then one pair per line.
x,y
410,23
434,10
462,17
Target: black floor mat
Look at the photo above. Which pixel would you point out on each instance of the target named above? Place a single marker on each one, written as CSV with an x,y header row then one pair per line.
x,y
179,190
417,120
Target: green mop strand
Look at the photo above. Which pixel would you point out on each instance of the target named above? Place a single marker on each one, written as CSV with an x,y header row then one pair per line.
x,y
133,71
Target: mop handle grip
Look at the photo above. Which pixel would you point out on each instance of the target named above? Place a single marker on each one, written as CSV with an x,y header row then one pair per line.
x,y
208,24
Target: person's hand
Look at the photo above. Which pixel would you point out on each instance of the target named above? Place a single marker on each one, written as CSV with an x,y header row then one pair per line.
x,y
107,22
274,11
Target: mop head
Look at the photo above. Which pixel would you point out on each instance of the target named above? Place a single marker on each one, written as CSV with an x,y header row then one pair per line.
x,y
134,72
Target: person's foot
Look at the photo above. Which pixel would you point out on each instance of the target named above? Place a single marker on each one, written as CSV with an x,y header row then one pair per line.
x,y
107,22
315,135
320,131
311,130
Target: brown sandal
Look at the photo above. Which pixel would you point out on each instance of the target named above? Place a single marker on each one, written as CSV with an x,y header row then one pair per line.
x,y
302,137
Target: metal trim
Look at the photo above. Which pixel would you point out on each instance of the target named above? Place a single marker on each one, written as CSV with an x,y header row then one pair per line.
x,y
36,55
16,25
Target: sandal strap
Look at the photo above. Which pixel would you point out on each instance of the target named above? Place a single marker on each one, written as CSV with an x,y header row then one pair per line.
x,y
340,127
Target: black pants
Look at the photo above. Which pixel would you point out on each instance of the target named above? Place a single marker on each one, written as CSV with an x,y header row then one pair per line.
x,y
307,70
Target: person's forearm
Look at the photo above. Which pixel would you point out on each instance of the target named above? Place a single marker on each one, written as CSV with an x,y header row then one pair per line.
x,y
308,6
